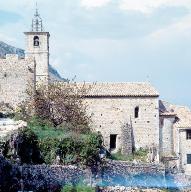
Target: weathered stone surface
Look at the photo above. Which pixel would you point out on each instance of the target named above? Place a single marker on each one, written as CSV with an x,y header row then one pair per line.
x,y
109,115
15,76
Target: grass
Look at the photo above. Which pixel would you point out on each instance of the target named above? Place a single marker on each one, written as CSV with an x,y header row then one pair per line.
x,y
45,130
78,188
139,155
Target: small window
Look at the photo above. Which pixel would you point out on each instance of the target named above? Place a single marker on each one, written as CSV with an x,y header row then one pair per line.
x,y
136,112
113,139
188,134
36,41
188,158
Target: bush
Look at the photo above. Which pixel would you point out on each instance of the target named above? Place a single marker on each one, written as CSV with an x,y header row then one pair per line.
x,y
48,148
24,145
71,148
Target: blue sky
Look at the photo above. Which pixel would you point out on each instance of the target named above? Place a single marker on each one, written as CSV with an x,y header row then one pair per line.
x,y
112,40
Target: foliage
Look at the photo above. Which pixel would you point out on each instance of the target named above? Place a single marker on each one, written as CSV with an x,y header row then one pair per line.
x,y
42,142
44,129
78,188
58,104
90,149
24,145
139,155
48,148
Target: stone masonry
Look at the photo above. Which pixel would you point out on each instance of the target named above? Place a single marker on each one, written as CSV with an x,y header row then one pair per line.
x,y
110,114
15,76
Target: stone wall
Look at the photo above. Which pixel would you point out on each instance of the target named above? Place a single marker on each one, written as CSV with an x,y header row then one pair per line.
x,y
166,136
41,177
114,172
109,115
15,75
52,178
185,148
128,189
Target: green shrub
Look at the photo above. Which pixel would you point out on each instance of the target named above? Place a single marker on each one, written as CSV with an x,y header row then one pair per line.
x,y
24,145
48,148
70,147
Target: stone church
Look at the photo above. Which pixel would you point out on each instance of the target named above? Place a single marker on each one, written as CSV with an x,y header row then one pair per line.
x,y
128,115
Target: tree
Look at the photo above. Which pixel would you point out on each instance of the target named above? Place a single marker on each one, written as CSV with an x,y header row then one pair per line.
x,y
60,104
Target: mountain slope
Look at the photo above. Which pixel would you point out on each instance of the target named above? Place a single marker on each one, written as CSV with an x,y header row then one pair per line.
x,y
8,49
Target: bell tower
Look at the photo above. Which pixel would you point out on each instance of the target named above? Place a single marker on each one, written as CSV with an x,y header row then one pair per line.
x,y
37,45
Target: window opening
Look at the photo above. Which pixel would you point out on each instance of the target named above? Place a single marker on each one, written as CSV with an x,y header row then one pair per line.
x,y
188,134
136,112
188,158
36,41
113,139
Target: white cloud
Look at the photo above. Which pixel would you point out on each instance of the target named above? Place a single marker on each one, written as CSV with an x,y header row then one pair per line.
x,y
148,6
180,28
94,3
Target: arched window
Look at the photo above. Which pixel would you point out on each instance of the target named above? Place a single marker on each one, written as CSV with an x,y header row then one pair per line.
x,y
136,112
36,41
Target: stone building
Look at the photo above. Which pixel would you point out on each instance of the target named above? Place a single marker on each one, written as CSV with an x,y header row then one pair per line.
x,y
128,115
175,139
114,106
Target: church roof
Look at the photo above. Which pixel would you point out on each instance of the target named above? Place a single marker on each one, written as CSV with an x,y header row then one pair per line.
x,y
127,89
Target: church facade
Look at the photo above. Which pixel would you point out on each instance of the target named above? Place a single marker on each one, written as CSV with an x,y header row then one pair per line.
x,y
129,115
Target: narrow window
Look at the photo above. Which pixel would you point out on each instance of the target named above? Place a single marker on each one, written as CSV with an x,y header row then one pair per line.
x,y
36,41
136,112
188,134
188,158
113,139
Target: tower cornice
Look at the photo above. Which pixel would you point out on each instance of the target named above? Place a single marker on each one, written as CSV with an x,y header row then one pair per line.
x,y
37,33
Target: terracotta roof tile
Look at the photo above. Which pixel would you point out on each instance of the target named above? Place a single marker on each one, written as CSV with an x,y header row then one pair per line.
x,y
121,90
182,112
